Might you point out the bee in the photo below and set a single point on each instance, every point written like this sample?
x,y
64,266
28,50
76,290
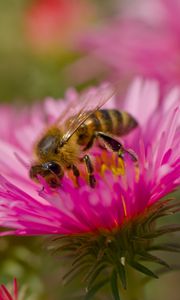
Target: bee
x,y
65,144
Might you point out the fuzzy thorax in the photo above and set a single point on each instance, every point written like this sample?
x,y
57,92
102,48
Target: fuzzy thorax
x,y
69,154
48,148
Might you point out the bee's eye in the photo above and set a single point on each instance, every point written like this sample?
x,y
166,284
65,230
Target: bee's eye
x,y
54,167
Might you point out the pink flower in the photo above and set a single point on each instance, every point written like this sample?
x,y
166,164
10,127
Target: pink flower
x,y
143,41
113,225
5,294
53,25
27,209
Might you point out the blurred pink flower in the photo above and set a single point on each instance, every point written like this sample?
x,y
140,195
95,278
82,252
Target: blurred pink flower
x,y
144,40
28,210
54,25
6,295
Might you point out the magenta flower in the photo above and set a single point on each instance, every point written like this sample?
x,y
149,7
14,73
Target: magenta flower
x,y
124,203
6,295
144,41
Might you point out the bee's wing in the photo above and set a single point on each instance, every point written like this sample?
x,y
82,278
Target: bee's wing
x,y
88,105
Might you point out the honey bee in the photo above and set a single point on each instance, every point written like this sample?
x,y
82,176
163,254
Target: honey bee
x,y
65,145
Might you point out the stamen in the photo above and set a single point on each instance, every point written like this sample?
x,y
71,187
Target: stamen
x,y
116,223
137,172
124,205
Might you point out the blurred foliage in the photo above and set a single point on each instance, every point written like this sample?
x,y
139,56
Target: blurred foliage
x,y
40,271
25,75
20,258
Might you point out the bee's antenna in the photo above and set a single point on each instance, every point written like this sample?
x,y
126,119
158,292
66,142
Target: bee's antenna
x,y
21,160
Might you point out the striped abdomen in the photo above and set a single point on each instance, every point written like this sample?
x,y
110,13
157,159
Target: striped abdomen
x,y
109,121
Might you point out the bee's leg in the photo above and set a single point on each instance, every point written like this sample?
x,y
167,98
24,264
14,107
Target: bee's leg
x,y
90,170
90,143
75,172
115,145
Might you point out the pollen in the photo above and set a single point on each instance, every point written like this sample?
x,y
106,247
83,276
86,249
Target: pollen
x,y
106,161
111,162
104,168
119,168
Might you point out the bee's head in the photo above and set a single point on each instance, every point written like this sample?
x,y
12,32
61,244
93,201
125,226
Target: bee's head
x,y
51,171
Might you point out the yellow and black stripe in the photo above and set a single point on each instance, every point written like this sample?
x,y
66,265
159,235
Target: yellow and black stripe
x,y
109,121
